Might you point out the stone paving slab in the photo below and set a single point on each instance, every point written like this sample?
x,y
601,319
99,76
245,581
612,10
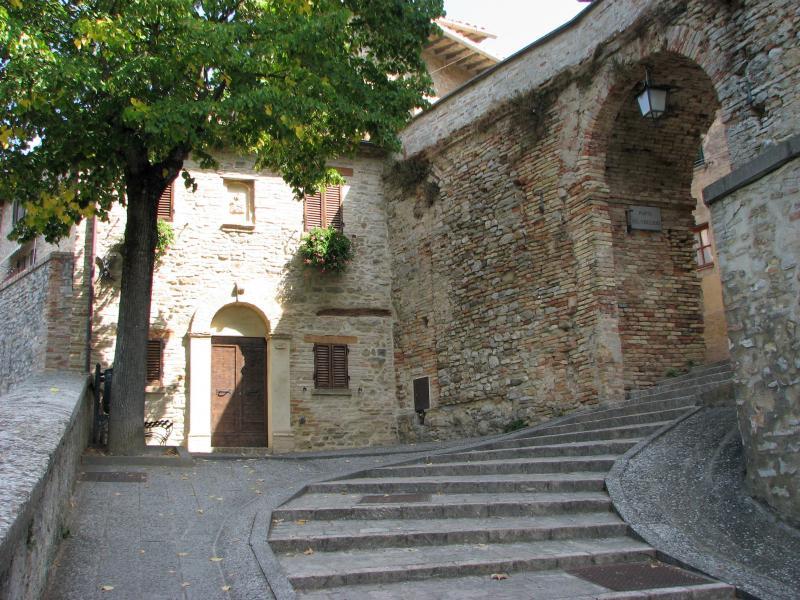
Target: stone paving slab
x,y
147,539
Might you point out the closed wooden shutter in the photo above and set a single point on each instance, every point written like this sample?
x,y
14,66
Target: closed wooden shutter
x,y
165,204
313,211
322,365
339,366
155,363
333,207
330,366
324,208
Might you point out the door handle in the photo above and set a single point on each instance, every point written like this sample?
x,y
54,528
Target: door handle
x,y
223,392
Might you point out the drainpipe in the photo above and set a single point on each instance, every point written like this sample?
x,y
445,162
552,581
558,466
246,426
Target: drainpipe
x,y
91,226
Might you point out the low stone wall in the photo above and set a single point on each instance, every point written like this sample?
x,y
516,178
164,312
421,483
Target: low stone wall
x,y
36,305
44,427
756,213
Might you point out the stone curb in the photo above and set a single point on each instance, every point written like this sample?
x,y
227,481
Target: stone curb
x,y
183,459
622,506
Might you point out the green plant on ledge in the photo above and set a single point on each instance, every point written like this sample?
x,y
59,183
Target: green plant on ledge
x,y
325,249
166,237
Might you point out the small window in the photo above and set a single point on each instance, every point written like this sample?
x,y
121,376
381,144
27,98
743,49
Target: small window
x,y
330,366
702,247
18,211
155,362
700,159
165,203
324,209
22,260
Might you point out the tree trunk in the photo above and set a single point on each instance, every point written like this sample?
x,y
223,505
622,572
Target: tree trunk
x,y
126,420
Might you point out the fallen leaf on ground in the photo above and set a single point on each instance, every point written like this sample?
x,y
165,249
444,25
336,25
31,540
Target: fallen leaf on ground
x,y
308,552
215,559
301,521
55,389
183,554
106,588
225,588
185,584
499,576
200,511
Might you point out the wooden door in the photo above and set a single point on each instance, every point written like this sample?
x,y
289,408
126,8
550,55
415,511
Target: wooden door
x,y
238,391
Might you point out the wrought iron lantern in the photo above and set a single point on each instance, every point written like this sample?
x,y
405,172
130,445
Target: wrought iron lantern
x,y
652,99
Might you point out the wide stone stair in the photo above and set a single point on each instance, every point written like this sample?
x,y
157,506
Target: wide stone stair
x,y
521,517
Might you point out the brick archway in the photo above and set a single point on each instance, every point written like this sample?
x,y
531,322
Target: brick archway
x,y
655,307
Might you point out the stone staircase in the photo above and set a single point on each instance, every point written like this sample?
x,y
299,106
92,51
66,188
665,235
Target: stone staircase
x,y
521,517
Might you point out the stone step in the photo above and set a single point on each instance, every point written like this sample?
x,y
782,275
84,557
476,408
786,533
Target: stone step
x,y
591,448
326,570
652,394
538,585
630,407
682,386
526,482
329,536
558,464
324,507
640,418
542,438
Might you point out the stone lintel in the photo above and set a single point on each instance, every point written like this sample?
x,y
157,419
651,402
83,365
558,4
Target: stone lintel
x,y
354,312
330,339
765,163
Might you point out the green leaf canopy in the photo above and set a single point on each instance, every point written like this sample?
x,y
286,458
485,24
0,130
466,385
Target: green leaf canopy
x,y
96,93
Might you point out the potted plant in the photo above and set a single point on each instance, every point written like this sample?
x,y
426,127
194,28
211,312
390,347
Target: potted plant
x,y
325,249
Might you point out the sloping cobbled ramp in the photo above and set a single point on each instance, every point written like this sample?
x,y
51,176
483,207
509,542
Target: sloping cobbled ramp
x,y
526,517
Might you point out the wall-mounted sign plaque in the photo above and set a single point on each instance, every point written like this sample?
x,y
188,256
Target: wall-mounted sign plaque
x,y
646,218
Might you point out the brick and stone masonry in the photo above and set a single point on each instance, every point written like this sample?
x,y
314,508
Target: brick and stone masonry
x,y
756,213
218,261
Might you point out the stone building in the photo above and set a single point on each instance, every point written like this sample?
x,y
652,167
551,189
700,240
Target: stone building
x,y
531,251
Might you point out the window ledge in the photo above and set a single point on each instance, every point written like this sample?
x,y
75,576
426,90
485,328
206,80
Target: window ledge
x,y
331,392
238,228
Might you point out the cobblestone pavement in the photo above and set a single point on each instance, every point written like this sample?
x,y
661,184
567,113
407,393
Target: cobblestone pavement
x,y
185,533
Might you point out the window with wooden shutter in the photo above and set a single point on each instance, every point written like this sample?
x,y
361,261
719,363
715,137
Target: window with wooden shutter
x,y
155,362
324,208
312,208
165,208
330,366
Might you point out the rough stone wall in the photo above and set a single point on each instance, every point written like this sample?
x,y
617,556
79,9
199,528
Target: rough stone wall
x,y
36,306
485,285
46,424
209,259
758,237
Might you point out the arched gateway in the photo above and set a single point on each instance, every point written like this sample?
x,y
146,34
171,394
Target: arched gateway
x,y
238,379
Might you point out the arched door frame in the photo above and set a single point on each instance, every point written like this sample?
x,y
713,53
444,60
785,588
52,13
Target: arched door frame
x,y
279,432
